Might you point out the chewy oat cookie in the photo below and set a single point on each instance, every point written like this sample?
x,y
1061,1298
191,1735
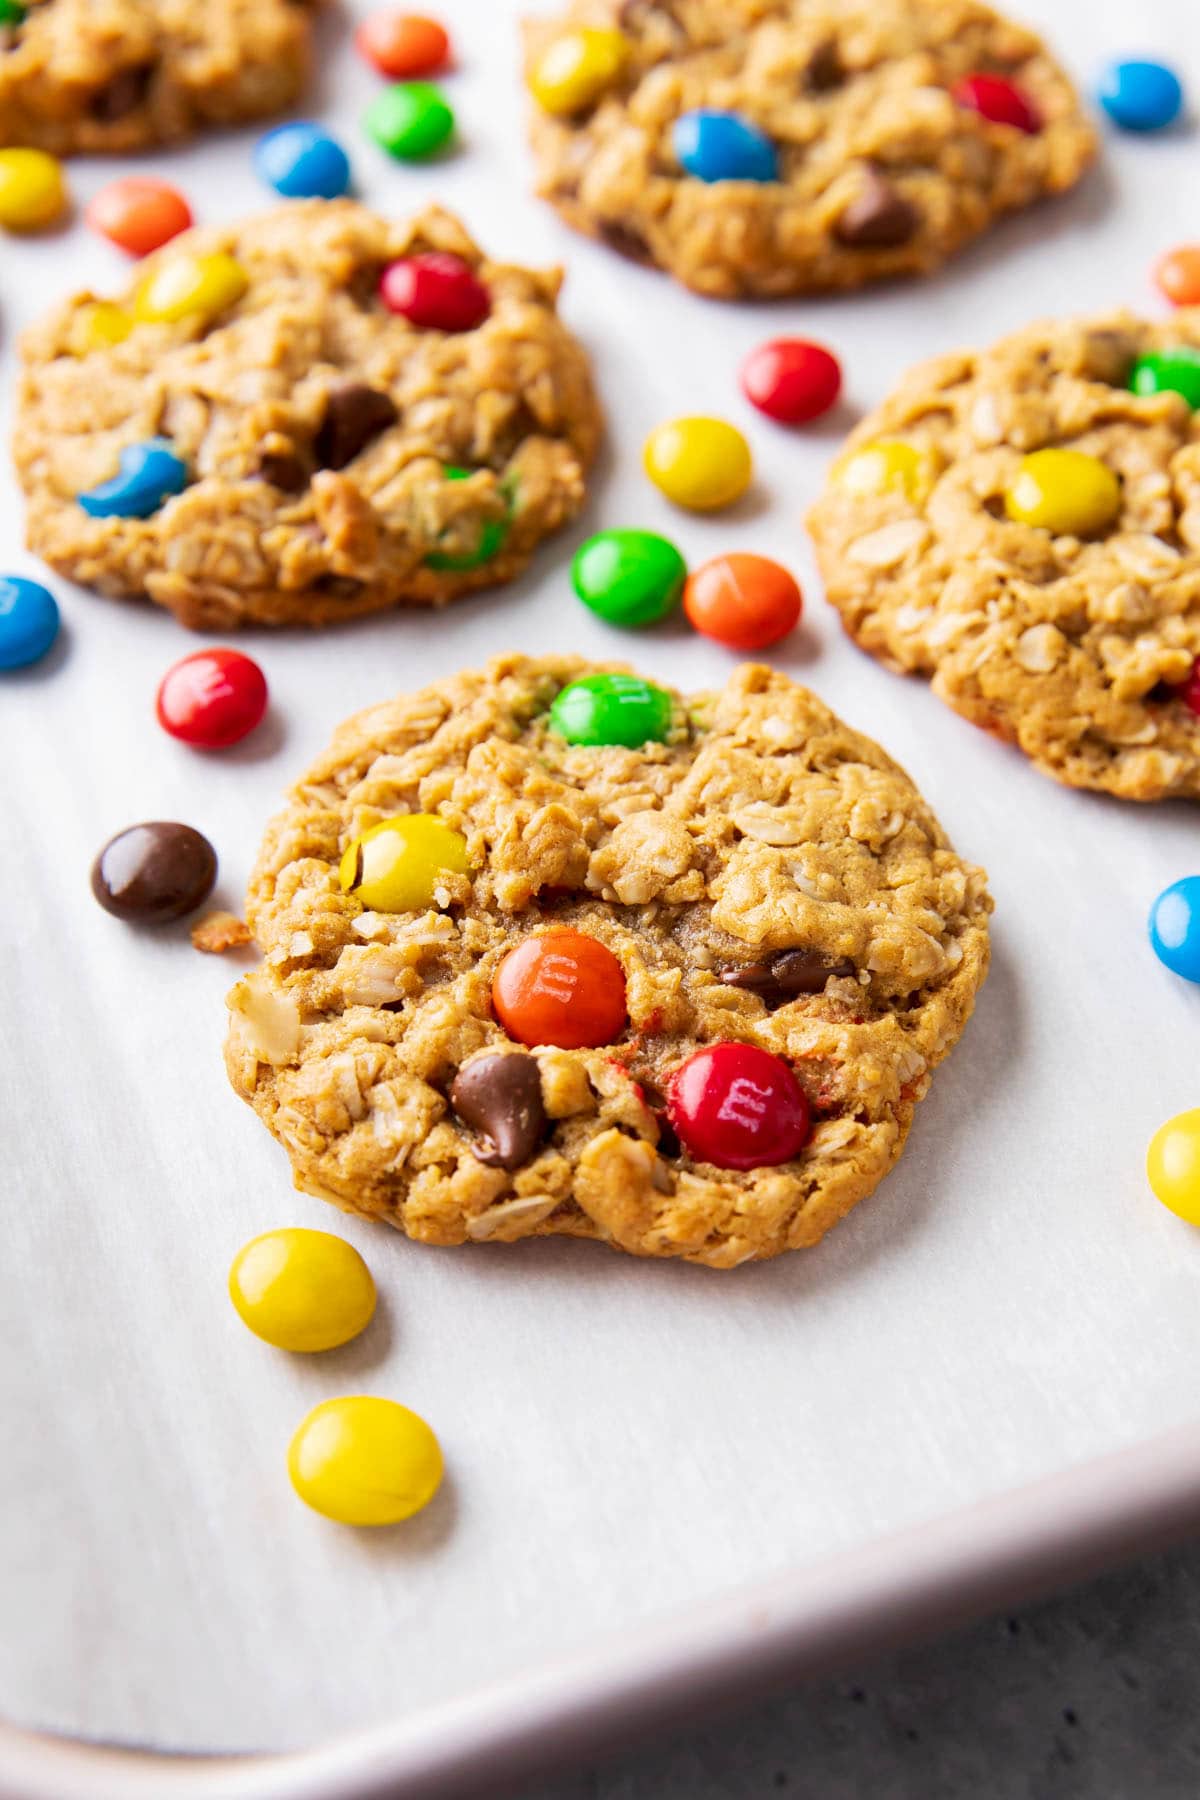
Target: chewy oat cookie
x,y
883,162
1022,525
339,459
117,75
490,951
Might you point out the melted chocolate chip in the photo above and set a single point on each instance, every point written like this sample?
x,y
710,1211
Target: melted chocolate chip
x,y
283,470
880,218
155,872
824,71
354,414
625,241
122,95
501,1097
787,974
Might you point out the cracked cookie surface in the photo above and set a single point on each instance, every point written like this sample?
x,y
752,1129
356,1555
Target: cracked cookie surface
x,y
881,171
118,75
340,460
764,876
1077,649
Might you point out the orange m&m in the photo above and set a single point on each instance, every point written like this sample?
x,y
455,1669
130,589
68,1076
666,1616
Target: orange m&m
x,y
742,600
138,214
1178,275
402,45
562,988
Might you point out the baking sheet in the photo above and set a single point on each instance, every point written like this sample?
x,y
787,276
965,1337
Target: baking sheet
x,y
621,1437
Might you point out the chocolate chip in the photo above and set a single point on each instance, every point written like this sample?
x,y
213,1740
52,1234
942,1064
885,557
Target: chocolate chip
x,y
283,470
668,1137
339,587
501,1097
788,973
354,414
625,241
155,872
122,95
879,219
824,71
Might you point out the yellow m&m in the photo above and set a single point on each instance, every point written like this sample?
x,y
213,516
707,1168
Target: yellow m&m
x,y
302,1290
1173,1165
1067,492
573,71
98,326
699,463
33,193
364,1461
888,466
395,867
191,284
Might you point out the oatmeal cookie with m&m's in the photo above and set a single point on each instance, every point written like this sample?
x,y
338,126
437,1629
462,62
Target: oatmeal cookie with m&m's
x,y
1022,525
765,147
548,948
315,414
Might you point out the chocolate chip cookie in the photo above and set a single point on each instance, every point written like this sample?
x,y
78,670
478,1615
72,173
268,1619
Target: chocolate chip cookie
x,y
254,433
548,948
1022,525
116,75
764,147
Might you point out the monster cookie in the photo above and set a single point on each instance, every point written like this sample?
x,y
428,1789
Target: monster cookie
x,y
548,948
312,415
766,147
114,75
1023,525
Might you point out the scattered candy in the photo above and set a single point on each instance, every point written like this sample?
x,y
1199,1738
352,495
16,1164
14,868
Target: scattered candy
x,y
501,1097
28,621
1175,927
888,466
599,710
363,1461
33,191
491,536
629,577
212,698
743,601
1189,690
739,1107
395,866
791,380
1173,1165
186,284
402,44
149,474
1174,371
563,988
410,121
1178,275
138,214
701,464
153,873
435,290
302,1290
1066,492
1141,96
998,101
302,162
575,69
722,146
98,326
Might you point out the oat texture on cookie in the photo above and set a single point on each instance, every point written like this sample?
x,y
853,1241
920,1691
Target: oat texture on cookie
x,y
874,154
750,907
1022,525
116,75
337,457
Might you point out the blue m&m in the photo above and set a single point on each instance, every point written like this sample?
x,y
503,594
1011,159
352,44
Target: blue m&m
x,y
1175,927
147,475
28,621
1141,96
302,162
722,146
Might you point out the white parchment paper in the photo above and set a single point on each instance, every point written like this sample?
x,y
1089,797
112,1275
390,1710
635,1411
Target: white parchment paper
x,y
620,1436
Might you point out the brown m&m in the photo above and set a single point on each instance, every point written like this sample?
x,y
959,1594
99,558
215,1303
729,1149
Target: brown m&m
x,y
150,874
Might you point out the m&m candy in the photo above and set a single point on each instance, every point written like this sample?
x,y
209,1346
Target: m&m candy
x,y
576,67
998,101
563,988
397,866
435,290
138,214
1188,690
600,710
722,146
699,463
147,475
739,1107
212,698
1141,96
154,873
302,1290
28,621
184,284
1175,927
1178,275
887,466
364,1461
410,120
402,44
1066,492
302,162
791,380
629,577
1173,1165
33,190
743,601
1175,371
492,533
97,326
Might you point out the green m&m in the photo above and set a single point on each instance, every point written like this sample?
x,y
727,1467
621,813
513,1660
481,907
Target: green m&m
x,y
410,119
11,13
492,534
612,709
1169,371
629,577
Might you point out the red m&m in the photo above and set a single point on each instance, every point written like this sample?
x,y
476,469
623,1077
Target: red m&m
x,y
998,101
563,988
212,698
738,1107
435,290
743,601
791,380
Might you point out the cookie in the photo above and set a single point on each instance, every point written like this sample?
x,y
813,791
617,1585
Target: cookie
x,y
857,121
1022,525
286,448
514,1010
117,75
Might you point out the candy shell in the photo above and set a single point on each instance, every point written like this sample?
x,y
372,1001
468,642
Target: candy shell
x,y
302,1290
1175,927
212,698
138,214
28,621
410,120
33,190
629,577
699,463
722,146
148,474
302,162
364,1461
401,45
1141,95
791,380
742,601
1173,1165
601,710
